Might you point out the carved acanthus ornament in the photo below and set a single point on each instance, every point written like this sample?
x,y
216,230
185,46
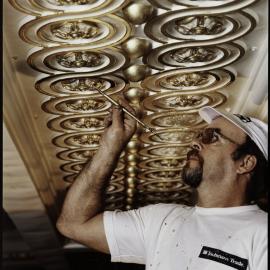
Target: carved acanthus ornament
x,y
186,80
75,30
87,122
70,2
85,105
84,84
91,139
193,55
201,25
79,59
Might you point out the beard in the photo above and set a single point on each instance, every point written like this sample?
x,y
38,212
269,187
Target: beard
x,y
193,176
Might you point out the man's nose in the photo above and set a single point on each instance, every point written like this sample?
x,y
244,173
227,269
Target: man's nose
x,y
195,144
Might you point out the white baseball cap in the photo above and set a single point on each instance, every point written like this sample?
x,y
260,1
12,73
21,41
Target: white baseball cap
x,y
253,127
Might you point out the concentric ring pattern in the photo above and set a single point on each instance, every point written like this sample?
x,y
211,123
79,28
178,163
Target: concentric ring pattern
x,y
169,58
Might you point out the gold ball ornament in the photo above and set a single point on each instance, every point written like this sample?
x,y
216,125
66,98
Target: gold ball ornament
x,y
138,13
136,47
136,73
134,94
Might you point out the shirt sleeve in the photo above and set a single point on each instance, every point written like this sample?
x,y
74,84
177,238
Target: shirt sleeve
x,y
125,233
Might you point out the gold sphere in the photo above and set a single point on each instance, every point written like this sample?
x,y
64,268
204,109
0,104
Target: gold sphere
x,y
134,94
132,158
136,47
130,192
138,13
131,181
136,73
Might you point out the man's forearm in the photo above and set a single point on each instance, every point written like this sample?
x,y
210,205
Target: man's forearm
x,y
85,197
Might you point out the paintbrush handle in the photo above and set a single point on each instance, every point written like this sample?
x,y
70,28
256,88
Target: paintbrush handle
x,y
126,111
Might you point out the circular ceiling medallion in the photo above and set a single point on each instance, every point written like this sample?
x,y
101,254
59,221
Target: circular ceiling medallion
x,y
187,81
164,174
190,55
76,167
47,7
80,31
200,25
66,59
160,186
171,4
163,163
82,153
85,122
80,84
176,119
164,150
180,102
76,105
176,135
78,139
79,154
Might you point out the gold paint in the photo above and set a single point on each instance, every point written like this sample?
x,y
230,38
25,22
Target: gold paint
x,y
136,72
70,2
75,30
134,94
85,105
79,59
186,80
136,47
201,25
91,139
193,55
138,13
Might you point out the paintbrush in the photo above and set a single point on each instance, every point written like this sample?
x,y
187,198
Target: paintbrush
x,y
114,102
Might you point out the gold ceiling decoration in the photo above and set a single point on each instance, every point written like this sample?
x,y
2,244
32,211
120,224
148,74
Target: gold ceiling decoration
x,y
45,7
98,62
188,82
65,30
169,58
167,4
188,25
80,84
84,122
187,55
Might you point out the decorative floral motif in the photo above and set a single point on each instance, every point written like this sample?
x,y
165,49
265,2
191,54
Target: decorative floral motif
x,y
178,120
183,101
83,84
177,136
169,151
87,122
79,59
193,55
84,154
166,163
85,105
70,2
87,139
200,25
75,30
186,80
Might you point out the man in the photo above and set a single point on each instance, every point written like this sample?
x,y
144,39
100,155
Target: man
x,y
225,230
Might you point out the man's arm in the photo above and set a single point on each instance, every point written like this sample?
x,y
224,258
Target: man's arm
x,y
81,218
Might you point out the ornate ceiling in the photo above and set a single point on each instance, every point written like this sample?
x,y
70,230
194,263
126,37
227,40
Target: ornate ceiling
x,y
168,57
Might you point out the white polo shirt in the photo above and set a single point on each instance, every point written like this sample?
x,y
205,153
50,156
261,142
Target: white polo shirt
x,y
177,237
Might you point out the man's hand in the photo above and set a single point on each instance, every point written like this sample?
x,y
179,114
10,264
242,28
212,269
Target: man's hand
x,y
119,128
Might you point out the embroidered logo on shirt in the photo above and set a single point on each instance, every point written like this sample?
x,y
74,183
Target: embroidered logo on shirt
x,y
224,258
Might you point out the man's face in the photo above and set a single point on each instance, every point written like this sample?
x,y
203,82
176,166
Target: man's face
x,y
211,153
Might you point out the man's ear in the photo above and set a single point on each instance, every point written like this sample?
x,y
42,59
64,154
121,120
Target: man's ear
x,y
246,164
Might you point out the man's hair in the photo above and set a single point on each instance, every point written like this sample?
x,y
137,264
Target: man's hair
x,y
257,190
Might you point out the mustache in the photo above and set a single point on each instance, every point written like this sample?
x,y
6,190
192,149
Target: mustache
x,y
194,153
